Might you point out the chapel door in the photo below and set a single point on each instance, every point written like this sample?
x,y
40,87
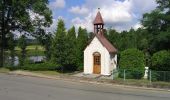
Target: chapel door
x,y
96,63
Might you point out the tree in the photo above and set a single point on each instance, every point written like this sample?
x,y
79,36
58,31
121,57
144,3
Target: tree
x,y
46,42
157,24
114,38
11,43
59,53
16,15
81,44
71,49
22,44
133,61
161,61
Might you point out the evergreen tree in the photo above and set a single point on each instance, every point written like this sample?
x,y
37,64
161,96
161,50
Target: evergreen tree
x,y
59,52
81,44
71,49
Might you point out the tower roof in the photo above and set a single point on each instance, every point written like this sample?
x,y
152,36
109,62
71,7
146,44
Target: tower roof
x,y
98,19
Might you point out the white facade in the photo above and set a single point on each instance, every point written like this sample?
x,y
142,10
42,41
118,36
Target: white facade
x,y
108,61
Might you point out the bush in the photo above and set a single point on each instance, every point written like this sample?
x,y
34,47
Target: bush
x,y
39,67
131,74
160,76
47,66
161,61
133,61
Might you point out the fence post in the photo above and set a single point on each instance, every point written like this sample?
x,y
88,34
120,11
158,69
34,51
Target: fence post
x,y
124,75
164,76
150,76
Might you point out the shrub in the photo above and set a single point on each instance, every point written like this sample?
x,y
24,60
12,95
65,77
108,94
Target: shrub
x,y
131,74
133,61
39,66
161,61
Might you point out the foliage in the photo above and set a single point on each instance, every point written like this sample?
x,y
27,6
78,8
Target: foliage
x,y
22,44
81,43
62,48
11,43
132,59
131,73
46,41
71,49
46,66
16,15
161,61
157,23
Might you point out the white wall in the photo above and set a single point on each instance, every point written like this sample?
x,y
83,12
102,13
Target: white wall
x,y
96,46
113,62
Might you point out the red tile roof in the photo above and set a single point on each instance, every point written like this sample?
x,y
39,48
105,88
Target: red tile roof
x,y
98,19
106,43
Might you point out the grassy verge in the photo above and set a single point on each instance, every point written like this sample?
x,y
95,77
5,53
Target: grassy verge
x,y
143,83
47,72
4,70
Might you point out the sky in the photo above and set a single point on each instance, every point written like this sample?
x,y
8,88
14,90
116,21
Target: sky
x,y
117,14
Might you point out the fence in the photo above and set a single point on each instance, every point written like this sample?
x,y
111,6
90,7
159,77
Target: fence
x,y
159,76
151,75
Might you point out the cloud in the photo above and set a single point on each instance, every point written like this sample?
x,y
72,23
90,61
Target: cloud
x,y
84,23
137,25
120,15
57,4
79,10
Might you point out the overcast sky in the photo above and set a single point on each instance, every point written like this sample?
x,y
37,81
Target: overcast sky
x,y
117,14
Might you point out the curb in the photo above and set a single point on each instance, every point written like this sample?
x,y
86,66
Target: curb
x,y
81,80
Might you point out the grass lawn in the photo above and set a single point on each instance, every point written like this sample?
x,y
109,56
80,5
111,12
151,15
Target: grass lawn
x,y
31,47
32,50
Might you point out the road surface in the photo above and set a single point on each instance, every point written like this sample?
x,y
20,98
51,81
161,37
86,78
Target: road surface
x,y
16,87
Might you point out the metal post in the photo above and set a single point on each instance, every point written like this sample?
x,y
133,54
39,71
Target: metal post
x,y
150,76
124,74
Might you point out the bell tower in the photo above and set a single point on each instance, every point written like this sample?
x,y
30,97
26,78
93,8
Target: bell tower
x,y
98,22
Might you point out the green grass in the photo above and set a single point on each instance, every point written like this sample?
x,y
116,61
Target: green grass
x,y
143,82
4,70
47,72
32,50
31,47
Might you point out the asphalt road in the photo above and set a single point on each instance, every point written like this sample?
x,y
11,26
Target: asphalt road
x,y
16,87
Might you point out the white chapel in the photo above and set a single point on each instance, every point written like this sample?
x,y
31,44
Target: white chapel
x,y
100,56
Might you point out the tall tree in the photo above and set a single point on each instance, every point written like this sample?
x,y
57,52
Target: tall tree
x,y
81,44
157,23
19,15
71,49
59,54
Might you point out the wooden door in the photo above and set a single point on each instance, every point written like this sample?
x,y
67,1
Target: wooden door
x,y
96,63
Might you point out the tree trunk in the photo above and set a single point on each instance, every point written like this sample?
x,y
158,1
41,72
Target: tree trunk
x,y
3,36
